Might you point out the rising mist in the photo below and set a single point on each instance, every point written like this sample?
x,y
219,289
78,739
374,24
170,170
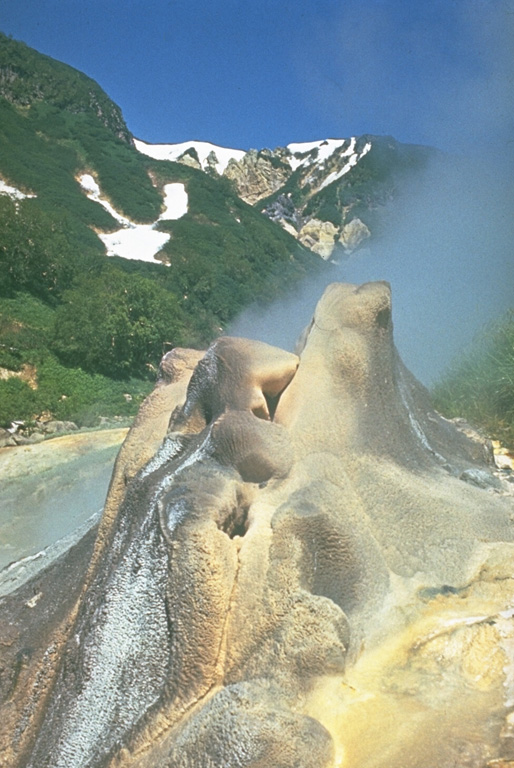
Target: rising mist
x,y
447,245
446,249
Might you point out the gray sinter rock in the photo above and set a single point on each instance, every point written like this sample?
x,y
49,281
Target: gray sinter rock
x,y
295,554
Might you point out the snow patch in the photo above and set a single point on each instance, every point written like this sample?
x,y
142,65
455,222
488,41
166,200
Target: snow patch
x,y
295,163
309,146
140,242
175,202
326,148
13,192
203,150
351,147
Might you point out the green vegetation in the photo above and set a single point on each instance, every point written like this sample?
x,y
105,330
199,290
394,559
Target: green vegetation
x,y
479,386
29,77
40,251
70,394
116,324
43,150
224,254
56,123
26,328
27,331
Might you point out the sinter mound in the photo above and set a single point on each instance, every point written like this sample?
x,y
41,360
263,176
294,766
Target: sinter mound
x,y
300,565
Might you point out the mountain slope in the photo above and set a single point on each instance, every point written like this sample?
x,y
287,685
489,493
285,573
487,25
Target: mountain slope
x,y
77,201
331,195
28,77
49,142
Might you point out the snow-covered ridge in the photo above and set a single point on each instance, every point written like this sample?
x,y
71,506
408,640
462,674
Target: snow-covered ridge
x,y
213,156
264,175
353,159
325,147
137,241
203,149
302,154
298,154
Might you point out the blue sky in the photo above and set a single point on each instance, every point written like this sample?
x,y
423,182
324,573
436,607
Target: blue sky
x,y
252,74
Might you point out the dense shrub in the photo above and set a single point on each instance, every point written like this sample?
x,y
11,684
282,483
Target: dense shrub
x,y
44,149
30,77
27,328
17,401
69,394
116,324
37,253
46,167
73,394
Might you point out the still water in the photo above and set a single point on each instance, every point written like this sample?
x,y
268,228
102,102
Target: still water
x,y
50,490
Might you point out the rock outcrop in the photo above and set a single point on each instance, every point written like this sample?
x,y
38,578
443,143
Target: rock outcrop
x,y
296,568
353,235
319,236
257,174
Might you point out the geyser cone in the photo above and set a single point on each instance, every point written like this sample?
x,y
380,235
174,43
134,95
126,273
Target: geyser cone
x,y
311,557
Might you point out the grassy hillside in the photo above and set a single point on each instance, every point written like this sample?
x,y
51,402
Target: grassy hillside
x,y
479,386
66,309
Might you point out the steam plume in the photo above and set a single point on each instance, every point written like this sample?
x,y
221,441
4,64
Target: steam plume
x,y
447,247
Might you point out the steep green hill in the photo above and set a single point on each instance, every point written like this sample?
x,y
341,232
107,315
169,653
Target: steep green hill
x,y
28,77
110,316
367,189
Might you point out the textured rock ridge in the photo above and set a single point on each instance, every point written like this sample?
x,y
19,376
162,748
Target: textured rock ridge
x,y
296,568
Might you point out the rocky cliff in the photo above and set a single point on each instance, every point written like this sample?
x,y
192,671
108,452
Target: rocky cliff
x,y
258,174
300,565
